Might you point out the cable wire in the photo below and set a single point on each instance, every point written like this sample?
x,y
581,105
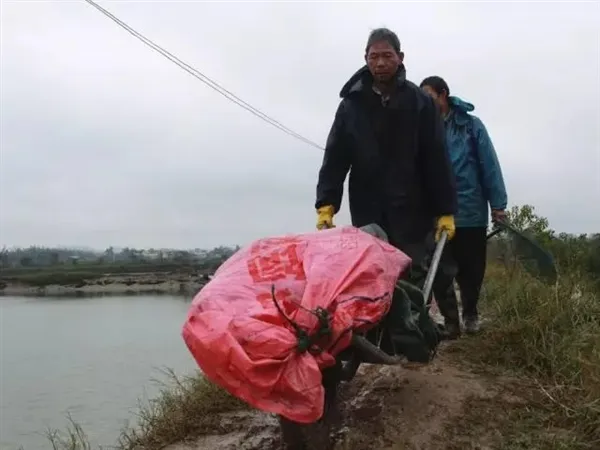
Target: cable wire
x,y
203,78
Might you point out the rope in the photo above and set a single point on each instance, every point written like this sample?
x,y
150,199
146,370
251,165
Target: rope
x,y
306,341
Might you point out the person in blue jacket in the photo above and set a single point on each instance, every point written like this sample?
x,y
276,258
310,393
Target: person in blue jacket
x,y
479,183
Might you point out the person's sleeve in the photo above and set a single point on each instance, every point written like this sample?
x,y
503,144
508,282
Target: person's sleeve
x,y
492,179
436,167
336,164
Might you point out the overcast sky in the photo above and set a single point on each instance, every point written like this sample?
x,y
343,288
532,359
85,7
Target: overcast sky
x,y
105,142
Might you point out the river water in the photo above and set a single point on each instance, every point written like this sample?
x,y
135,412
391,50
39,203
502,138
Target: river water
x,y
92,358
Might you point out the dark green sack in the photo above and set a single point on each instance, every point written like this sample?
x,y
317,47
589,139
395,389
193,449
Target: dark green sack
x,y
414,333
408,329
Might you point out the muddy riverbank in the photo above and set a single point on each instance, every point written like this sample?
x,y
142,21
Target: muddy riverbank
x,y
113,284
440,406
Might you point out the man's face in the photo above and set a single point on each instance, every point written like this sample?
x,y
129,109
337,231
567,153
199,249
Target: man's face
x,y
383,61
439,99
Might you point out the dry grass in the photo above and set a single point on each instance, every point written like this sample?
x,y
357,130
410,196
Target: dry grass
x,y
550,334
74,438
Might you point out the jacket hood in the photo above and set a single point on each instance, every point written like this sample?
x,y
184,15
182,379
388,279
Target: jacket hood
x,y
362,77
458,104
461,109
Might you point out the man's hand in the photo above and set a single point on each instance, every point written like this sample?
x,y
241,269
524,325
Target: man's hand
x,y
325,217
445,223
498,215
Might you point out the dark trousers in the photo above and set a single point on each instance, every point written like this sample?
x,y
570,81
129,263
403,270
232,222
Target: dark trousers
x,y
414,237
464,259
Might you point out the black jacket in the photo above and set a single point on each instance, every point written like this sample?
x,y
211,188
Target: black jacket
x,y
400,173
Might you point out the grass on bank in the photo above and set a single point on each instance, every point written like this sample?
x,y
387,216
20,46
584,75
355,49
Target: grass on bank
x,y
548,336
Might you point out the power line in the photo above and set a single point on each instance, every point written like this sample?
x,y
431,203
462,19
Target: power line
x,y
203,78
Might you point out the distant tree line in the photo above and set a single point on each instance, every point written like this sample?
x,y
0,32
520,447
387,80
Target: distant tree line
x,y
573,253
40,257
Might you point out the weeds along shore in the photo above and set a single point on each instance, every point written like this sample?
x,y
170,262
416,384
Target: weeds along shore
x,y
548,336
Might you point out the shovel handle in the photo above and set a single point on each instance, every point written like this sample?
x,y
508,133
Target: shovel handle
x,y
433,268
435,262
494,233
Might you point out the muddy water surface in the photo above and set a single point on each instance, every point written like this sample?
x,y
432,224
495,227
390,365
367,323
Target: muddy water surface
x,y
90,357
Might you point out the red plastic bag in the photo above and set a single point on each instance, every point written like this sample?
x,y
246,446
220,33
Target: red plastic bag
x,y
242,337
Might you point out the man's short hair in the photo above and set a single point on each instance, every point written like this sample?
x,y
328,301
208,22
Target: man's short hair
x,y
383,34
438,84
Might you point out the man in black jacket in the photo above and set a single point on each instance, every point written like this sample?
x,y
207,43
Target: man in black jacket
x,y
389,134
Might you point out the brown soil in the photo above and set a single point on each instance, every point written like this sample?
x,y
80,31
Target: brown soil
x,y
436,407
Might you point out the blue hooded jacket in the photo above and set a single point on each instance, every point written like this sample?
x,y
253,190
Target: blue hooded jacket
x,y
479,180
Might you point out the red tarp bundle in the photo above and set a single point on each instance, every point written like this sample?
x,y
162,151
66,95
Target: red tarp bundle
x,y
244,343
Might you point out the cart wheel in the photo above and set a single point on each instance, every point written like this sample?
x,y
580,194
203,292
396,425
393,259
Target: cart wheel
x,y
314,436
292,435
317,435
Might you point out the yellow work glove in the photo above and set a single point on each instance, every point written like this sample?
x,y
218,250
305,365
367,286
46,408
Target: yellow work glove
x,y
445,223
325,217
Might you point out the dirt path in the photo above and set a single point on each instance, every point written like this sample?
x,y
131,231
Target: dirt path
x,y
437,407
